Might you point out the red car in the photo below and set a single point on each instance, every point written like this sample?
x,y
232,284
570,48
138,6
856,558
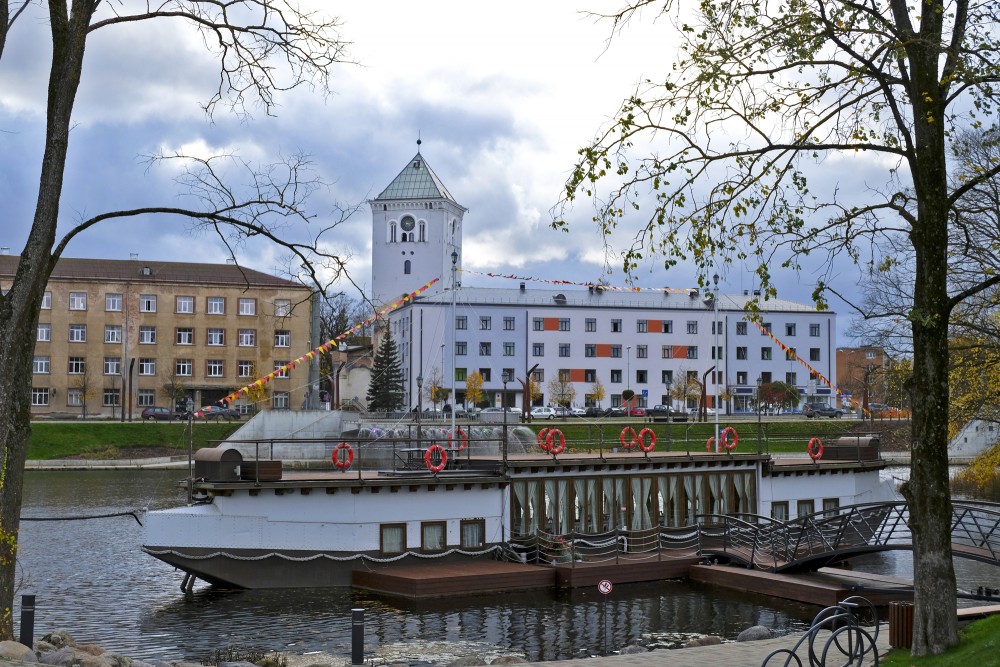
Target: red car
x,y
637,412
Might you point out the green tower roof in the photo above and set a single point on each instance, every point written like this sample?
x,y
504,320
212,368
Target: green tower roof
x,y
416,181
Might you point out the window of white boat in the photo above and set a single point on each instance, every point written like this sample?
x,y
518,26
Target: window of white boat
x,y
432,535
830,504
392,538
779,511
805,508
473,533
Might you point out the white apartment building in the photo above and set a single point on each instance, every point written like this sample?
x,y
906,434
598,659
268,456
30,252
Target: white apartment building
x,y
656,343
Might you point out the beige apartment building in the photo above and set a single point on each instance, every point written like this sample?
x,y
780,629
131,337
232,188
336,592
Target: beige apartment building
x,y
118,336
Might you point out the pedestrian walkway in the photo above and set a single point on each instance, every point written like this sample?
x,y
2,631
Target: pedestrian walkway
x,y
735,654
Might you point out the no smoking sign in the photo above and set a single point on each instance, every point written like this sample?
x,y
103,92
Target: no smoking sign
x,y
604,586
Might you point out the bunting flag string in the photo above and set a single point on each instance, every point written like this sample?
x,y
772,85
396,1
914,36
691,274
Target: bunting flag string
x,y
325,347
790,352
600,286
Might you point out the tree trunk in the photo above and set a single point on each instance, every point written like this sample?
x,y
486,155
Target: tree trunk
x,y
19,309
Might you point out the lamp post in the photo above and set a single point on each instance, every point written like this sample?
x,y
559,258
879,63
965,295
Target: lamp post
x,y
420,404
505,377
454,288
759,451
670,410
718,361
628,377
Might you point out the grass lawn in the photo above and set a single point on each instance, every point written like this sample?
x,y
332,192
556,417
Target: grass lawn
x,y
776,436
980,646
110,440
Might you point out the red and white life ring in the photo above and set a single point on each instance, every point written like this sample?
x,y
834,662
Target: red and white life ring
x,y
541,439
341,463
815,449
551,446
631,440
429,456
642,440
730,446
463,438
710,444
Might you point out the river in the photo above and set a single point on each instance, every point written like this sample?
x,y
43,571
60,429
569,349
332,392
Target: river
x,y
91,578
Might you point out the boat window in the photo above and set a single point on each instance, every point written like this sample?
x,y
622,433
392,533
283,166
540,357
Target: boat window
x,y
393,538
432,535
473,533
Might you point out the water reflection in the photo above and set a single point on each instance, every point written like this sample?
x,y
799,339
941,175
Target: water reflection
x,y
92,579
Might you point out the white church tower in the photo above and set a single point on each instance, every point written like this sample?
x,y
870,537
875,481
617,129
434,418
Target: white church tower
x,y
416,225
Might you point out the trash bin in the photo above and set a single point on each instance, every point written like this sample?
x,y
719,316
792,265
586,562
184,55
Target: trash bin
x,y
900,624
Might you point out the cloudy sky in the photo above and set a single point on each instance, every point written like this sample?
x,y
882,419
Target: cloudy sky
x,y
501,96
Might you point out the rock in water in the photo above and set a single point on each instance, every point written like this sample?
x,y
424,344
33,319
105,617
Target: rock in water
x,y
754,633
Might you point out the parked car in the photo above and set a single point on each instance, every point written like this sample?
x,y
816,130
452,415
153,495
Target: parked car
x,y
593,412
821,410
543,413
637,412
162,414
563,413
708,411
216,412
578,412
662,412
614,412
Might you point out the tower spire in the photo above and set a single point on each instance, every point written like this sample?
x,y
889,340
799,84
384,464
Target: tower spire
x,y
418,142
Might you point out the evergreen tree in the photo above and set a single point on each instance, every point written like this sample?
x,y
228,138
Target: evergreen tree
x,y
385,393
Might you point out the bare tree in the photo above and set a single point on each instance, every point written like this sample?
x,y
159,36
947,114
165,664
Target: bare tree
x,y
765,95
263,47
561,389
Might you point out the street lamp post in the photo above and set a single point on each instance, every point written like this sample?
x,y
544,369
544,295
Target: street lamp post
x,y
628,374
670,410
454,289
759,450
718,361
420,403
503,404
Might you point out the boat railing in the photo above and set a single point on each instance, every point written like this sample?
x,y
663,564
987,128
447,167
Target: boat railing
x,y
621,544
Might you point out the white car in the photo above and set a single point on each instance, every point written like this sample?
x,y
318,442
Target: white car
x,y
543,413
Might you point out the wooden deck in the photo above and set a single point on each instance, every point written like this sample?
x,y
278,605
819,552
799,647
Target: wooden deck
x,y
448,579
824,588
625,570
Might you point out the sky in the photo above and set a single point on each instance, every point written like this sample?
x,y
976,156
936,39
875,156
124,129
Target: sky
x,y
501,98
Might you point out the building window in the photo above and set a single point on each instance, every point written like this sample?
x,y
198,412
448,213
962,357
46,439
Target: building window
x,y
805,508
741,328
147,335
538,324
508,349
779,511
616,351
43,333
791,378
282,338
485,323
508,323
641,326
590,325
472,533
244,368
214,368
147,366
789,329
692,326
432,535
216,305
831,504
113,303
616,376
247,337
47,301
282,307
185,305
248,307
74,397
765,377
147,303
590,350
616,326
641,352
869,354
112,333
461,348
461,322
563,349
78,301
486,373
667,377
766,329
741,354
112,397
641,377
741,377
185,336
538,376
590,375
717,327
279,369
112,365
460,374
392,538
814,330
563,324
814,354
40,365
146,398
39,396
765,354
485,349
692,352
668,326
216,337
790,354
538,349
667,351
183,367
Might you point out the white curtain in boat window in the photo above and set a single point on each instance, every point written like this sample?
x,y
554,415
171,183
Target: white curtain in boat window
x,y
689,500
595,503
532,506
673,497
563,507
519,512
749,504
472,534
549,525
641,487
432,536
579,505
393,539
727,495
712,502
